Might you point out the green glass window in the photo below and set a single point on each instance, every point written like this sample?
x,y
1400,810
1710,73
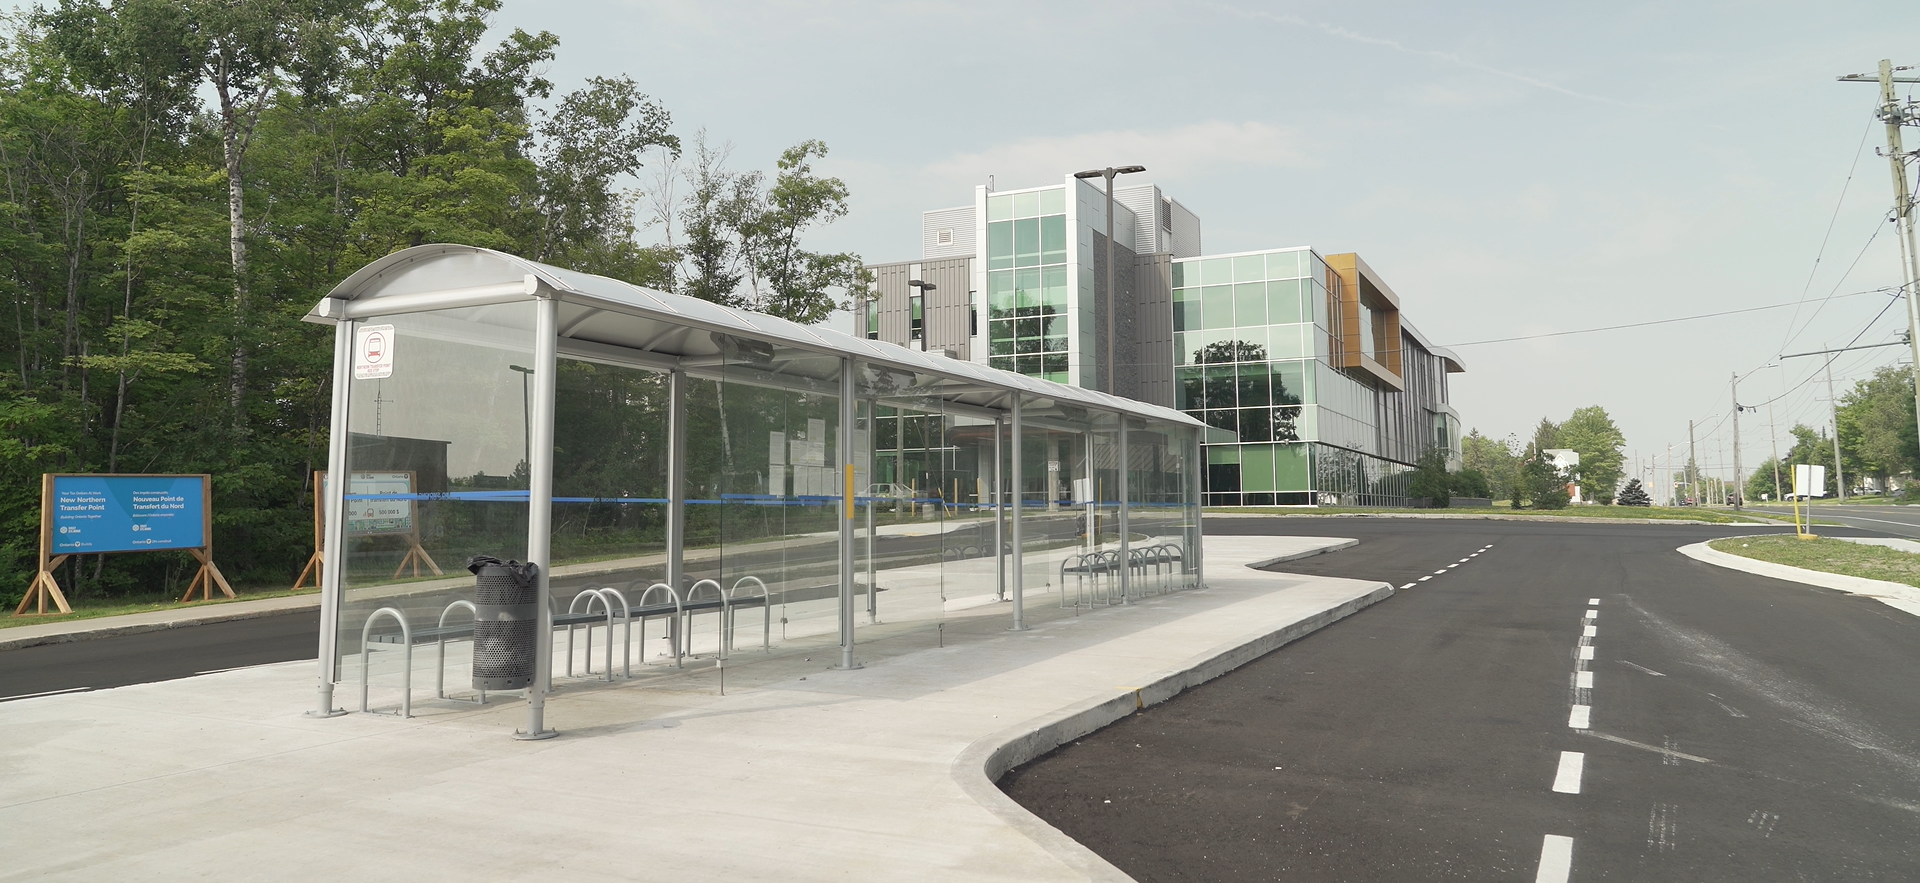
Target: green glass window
x,y
1054,363
1026,242
1292,469
1189,390
1054,325
1053,281
1253,385
999,245
1026,288
999,208
1256,465
1186,295
1250,303
1027,364
1053,239
1027,327
1056,344
1283,303
1227,420
1180,275
1026,205
1286,342
1053,202
1217,306
1250,345
1000,346
1024,345
1004,363
1221,380
1217,271
1284,265
1317,296
1000,292
1251,268
1180,317
1290,384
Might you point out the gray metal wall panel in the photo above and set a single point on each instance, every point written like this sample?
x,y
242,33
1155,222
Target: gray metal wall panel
x,y
947,314
1146,206
1186,232
1153,328
957,220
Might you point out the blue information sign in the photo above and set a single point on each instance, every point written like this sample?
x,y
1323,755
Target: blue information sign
x,y
128,513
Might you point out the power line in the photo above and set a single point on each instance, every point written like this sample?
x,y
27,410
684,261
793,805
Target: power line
x,y
1655,321
1822,253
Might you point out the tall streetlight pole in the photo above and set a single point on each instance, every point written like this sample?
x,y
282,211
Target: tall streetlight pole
x,y
1107,370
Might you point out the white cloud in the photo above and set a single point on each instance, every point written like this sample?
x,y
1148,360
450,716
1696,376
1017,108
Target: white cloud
x,y
1206,147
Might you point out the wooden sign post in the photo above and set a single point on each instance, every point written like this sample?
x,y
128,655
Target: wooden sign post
x,y
365,518
97,514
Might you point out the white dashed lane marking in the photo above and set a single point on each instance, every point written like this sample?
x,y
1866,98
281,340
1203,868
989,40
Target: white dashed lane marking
x,y
1593,602
1573,765
1583,680
1589,631
1407,586
1556,859
1586,652
1581,717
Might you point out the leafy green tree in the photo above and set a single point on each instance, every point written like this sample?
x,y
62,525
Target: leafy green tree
x,y
1592,434
787,280
1472,483
1430,480
1877,429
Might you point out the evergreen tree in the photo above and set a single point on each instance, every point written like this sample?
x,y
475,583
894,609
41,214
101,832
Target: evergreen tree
x,y
1633,495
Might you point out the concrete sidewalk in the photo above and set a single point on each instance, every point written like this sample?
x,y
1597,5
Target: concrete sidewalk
x,y
799,772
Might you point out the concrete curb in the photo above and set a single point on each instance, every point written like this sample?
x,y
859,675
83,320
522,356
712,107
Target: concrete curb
x,y
981,765
1295,556
114,626
1561,519
1899,596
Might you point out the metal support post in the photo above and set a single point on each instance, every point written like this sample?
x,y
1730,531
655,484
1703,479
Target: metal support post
x,y
1015,495
1693,467
999,513
847,510
1120,517
1199,533
540,510
676,481
1739,489
333,549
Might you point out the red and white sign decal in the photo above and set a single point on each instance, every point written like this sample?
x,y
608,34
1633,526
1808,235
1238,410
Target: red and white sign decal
x,y
373,352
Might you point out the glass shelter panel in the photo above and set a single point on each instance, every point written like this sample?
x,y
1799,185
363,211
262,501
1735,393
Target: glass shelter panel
x,y
437,459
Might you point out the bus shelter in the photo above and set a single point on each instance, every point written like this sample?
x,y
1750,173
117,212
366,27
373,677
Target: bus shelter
x,y
650,450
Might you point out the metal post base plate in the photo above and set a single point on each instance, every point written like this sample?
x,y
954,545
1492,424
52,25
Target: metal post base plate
x,y
524,736
319,715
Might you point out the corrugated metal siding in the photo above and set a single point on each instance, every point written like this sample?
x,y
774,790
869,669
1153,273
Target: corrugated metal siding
x,y
947,319
1186,232
1147,211
890,280
1153,328
958,222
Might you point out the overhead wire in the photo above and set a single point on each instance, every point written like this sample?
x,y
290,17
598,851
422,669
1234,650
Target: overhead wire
x,y
1822,252
1777,306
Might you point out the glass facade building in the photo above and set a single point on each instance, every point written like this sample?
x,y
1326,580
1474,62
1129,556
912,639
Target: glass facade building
x,y
1314,387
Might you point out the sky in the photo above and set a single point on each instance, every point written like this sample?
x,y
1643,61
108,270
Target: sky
x,y
1511,169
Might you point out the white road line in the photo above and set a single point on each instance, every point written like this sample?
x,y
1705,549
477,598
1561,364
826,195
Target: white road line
x,y
1645,747
1572,765
1586,652
1588,631
1583,680
1452,566
1556,860
1474,555
1440,572
1407,586
1463,561
1592,613
1581,717
1593,602
1425,578
47,693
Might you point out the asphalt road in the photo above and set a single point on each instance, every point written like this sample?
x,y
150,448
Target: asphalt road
x,y
1739,728
157,656
1897,521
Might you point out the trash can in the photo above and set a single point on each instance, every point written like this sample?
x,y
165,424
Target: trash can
x,y
506,626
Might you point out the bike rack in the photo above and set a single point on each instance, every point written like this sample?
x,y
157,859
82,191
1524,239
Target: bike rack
x,y
626,634
766,612
590,594
726,607
406,643
673,624
440,664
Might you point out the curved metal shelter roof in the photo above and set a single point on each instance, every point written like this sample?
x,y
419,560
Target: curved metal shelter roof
x,y
607,317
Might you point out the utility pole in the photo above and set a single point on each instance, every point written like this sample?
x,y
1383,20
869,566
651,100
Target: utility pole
x,y
1693,467
1774,438
1668,484
1738,488
1833,406
1896,114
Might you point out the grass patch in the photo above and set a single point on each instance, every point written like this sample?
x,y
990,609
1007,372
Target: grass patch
x,y
1827,556
94,608
1623,513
